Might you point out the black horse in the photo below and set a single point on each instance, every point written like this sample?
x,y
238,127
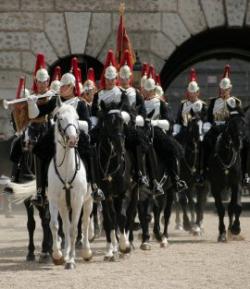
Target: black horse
x,y
115,180
23,163
225,173
192,170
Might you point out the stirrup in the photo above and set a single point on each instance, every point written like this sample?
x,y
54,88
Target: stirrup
x,y
181,186
143,181
157,189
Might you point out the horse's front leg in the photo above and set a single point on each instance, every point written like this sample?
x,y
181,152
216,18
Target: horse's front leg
x,y
54,226
64,212
31,225
87,209
216,192
167,214
234,209
124,245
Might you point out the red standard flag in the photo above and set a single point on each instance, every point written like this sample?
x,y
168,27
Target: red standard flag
x,y
123,42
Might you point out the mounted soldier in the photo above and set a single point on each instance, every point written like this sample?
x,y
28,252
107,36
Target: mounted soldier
x,y
190,107
69,92
135,140
219,110
38,127
165,145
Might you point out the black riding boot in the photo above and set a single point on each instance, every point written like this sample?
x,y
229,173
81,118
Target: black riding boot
x,y
41,180
97,193
15,172
157,187
141,167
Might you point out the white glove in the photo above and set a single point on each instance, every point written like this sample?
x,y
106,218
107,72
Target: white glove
x,y
83,125
161,123
176,129
125,116
94,121
139,121
206,127
33,110
32,98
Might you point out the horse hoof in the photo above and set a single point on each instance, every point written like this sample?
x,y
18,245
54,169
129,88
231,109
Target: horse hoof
x,y
30,257
178,227
164,243
126,250
145,246
87,255
234,237
107,258
222,238
44,258
59,261
70,266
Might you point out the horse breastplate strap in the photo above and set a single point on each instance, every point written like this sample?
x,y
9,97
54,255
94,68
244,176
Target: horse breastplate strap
x,y
220,110
131,95
153,104
109,96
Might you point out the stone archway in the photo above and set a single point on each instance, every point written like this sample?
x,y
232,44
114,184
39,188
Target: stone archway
x,y
219,43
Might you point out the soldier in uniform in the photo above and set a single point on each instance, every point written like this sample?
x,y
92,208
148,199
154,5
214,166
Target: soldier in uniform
x,y
165,145
45,146
218,113
135,141
39,126
192,104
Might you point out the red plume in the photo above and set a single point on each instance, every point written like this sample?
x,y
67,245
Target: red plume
x,y
20,87
145,69
127,60
40,63
110,60
227,71
151,72
158,79
192,75
91,74
57,73
75,71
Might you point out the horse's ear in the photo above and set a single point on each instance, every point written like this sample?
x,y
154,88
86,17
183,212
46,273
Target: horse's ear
x,y
151,113
58,101
103,105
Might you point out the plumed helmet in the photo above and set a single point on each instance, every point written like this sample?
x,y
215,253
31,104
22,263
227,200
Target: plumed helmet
x,y
110,66
126,66
68,79
40,73
149,83
225,82
193,85
89,84
55,85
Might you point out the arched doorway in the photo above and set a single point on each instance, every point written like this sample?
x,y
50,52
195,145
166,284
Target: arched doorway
x,y
85,62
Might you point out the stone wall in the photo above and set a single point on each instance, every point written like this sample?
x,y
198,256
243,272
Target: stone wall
x,y
62,27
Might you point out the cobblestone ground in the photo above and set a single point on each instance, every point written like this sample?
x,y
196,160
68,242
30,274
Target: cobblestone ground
x,y
188,262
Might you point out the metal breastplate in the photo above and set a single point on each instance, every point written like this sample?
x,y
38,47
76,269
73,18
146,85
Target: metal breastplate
x,y
153,104
220,110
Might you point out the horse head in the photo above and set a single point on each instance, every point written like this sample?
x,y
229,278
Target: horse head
x,y
67,124
112,125
234,129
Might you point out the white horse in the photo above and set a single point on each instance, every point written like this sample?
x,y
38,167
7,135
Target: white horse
x,y
68,189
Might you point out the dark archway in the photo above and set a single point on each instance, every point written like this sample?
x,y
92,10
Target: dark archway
x,y
219,43
85,62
